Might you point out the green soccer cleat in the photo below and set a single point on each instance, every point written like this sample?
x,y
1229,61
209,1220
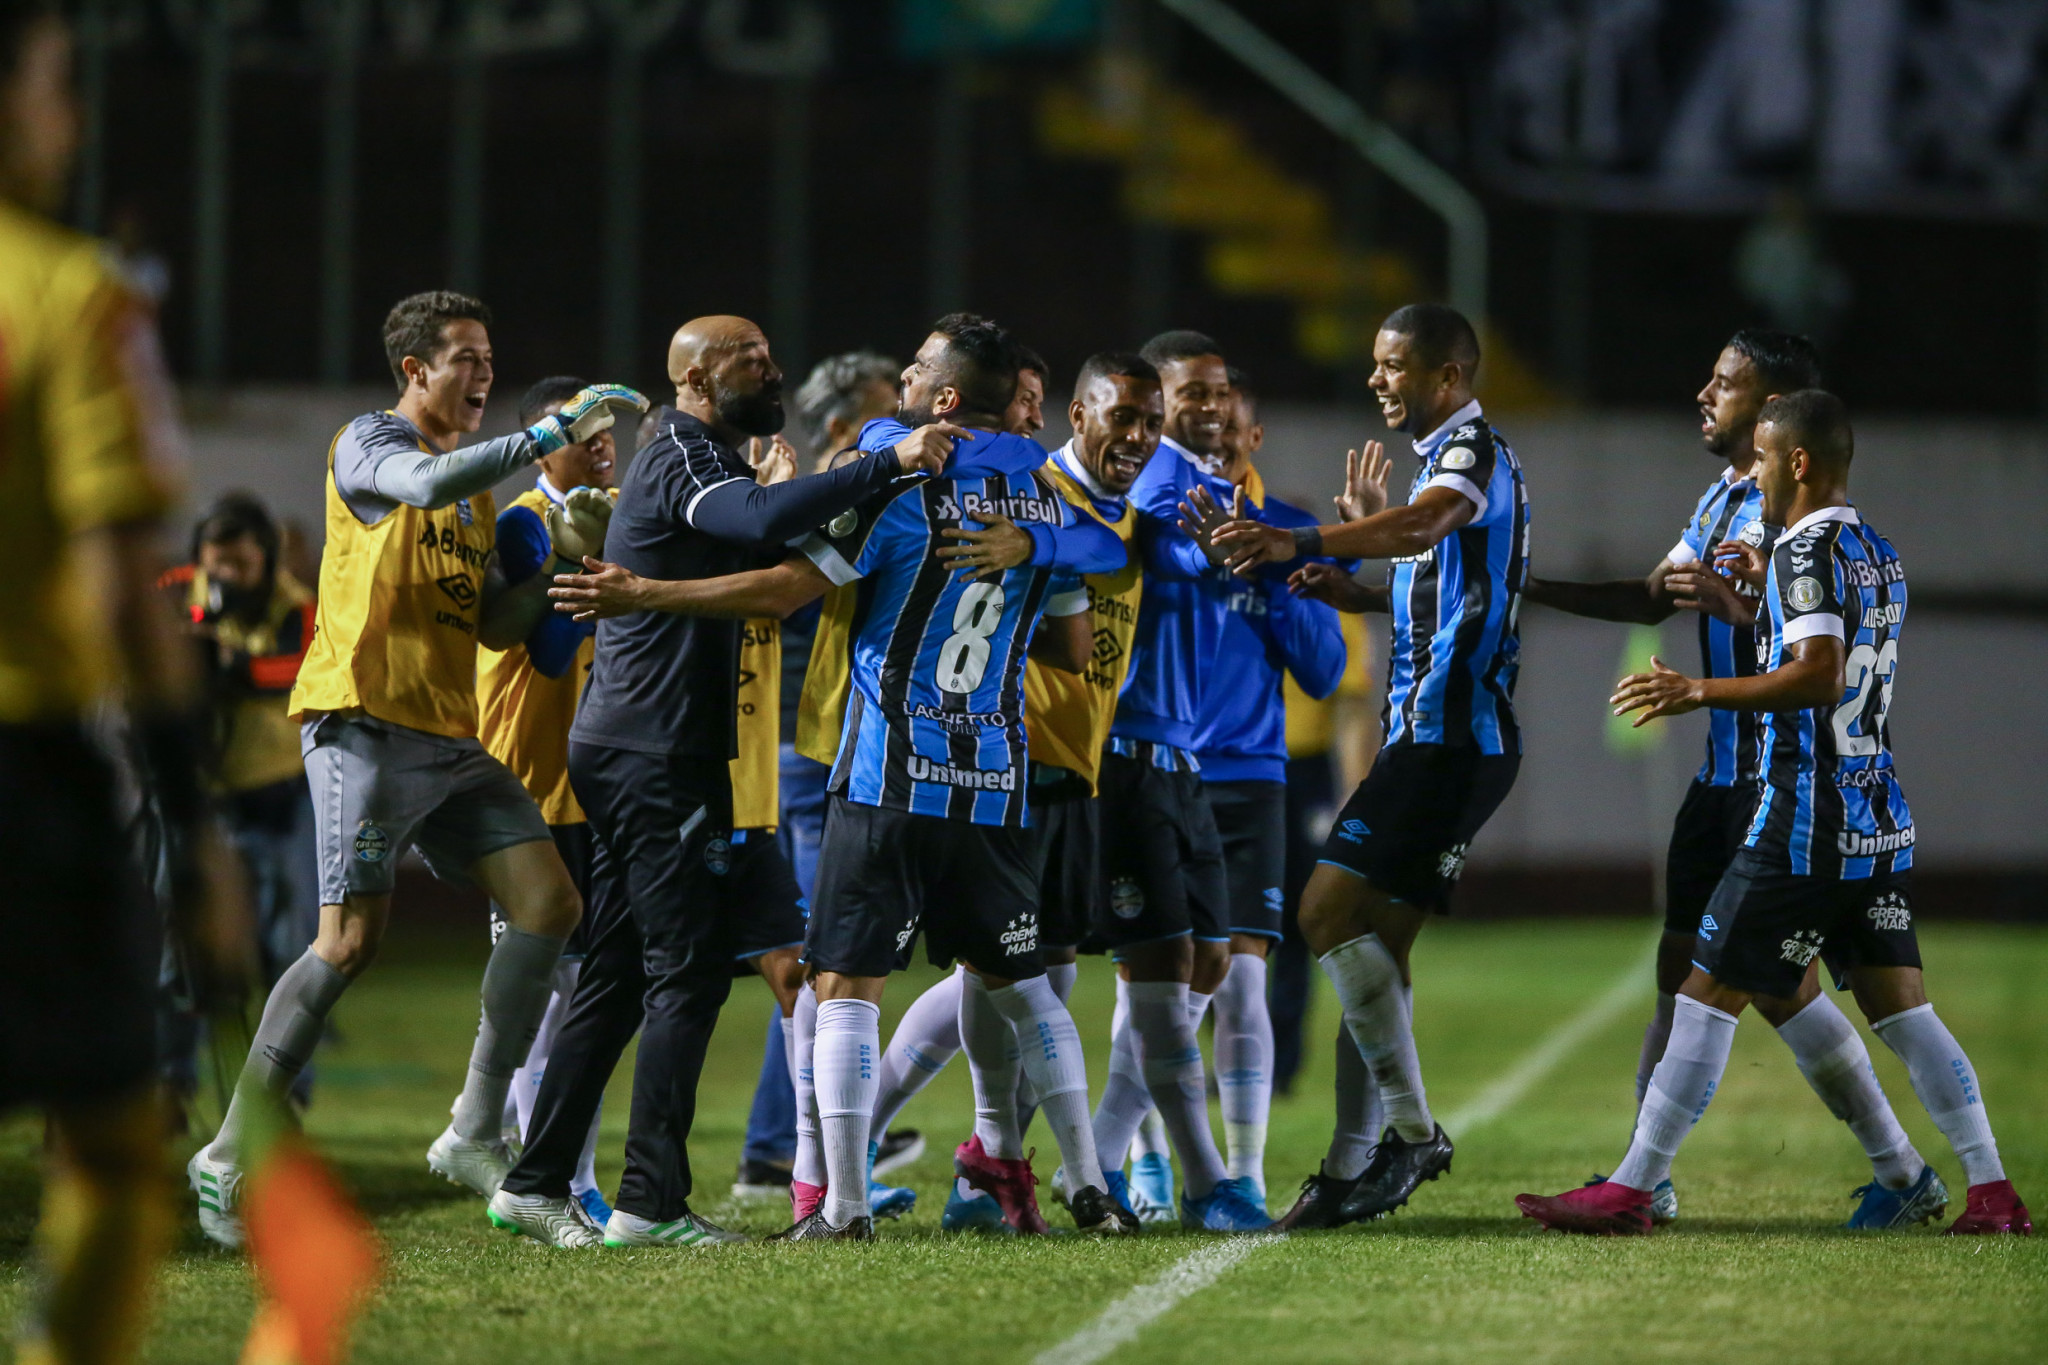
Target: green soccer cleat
x,y
690,1230
552,1222
219,1187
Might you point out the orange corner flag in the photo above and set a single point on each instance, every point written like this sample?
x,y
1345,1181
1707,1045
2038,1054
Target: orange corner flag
x,y
315,1257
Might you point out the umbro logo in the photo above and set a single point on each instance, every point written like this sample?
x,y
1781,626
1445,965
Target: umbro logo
x,y
1708,926
461,591
1108,649
1353,831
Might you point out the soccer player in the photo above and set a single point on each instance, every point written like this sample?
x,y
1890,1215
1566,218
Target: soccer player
x,y
86,432
1459,548
648,759
1824,870
526,701
1241,744
410,586
927,831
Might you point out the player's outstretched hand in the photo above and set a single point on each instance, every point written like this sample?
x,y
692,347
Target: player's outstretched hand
x,y
604,590
1743,561
987,553
924,451
1698,588
1663,691
587,412
1201,517
774,460
577,524
1321,582
1365,482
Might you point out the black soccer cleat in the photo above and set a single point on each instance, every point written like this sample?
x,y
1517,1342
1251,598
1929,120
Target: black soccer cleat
x,y
1319,1205
897,1149
815,1229
1396,1171
761,1180
1095,1211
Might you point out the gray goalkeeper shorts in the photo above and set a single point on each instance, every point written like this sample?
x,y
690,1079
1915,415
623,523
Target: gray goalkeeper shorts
x,y
378,788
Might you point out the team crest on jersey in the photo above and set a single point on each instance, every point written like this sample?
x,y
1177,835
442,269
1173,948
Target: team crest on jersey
x,y
1752,534
1804,594
842,525
1452,863
1020,935
718,855
1891,913
1801,947
461,591
373,845
1126,898
1458,457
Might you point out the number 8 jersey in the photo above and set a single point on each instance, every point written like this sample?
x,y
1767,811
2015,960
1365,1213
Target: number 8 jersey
x,y
1831,804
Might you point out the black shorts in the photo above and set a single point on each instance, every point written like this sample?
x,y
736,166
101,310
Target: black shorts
x,y
886,875
1405,830
1710,827
1066,832
1162,859
1251,820
1764,926
78,982
768,908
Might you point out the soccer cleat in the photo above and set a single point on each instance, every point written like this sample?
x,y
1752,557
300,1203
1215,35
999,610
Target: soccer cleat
x,y
969,1210
1095,1211
690,1230
1923,1200
1319,1205
1233,1206
219,1187
1992,1207
1397,1169
1663,1201
553,1222
480,1164
1058,1185
1152,1188
1008,1179
761,1180
816,1229
887,1201
897,1149
594,1204
804,1199
1606,1208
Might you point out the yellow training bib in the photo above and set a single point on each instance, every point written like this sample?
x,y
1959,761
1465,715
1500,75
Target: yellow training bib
x,y
756,790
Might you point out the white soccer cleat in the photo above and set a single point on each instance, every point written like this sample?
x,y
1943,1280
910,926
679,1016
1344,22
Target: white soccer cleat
x,y
219,1187
478,1163
555,1222
690,1230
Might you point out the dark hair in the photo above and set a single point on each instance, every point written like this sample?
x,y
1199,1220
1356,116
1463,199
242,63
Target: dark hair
x,y
545,393
1784,361
413,326
1817,422
1241,387
1168,347
1114,364
833,390
18,19
1441,334
232,516
1028,359
980,361
955,323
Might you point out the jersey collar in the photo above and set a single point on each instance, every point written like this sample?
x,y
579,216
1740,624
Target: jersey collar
x,y
550,492
1846,515
1210,465
1426,446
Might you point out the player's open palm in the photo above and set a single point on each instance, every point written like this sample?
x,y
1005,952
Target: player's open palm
x,y
1663,691
774,460
988,553
587,412
603,590
1365,482
577,524
1699,588
1201,517
1744,562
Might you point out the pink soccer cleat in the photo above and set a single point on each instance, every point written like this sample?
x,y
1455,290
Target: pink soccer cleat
x,y
1606,1209
1992,1208
1009,1183
804,1200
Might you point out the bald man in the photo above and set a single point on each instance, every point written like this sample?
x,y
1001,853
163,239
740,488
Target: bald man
x,y
647,760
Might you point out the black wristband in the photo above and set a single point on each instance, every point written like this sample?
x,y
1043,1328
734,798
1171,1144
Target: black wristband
x,y
1308,541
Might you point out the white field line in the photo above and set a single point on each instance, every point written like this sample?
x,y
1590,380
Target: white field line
x,y
1121,1322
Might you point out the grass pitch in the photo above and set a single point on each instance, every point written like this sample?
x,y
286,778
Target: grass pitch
x,y
1756,1264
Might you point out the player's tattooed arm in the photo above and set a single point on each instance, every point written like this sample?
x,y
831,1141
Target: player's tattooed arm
x,y
1413,528
1321,582
1811,675
609,590
1638,601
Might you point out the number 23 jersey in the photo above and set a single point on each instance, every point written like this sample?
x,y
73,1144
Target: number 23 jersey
x,y
935,723
1831,804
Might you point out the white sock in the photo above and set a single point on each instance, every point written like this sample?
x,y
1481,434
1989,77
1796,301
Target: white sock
x,y
1062,976
526,1080
1172,1061
801,1032
1947,1085
924,1041
1151,1139
1198,1007
1051,1049
1244,1065
586,1164
1680,1089
1359,1113
1377,1010
1835,1063
993,1058
1656,1034
1125,1100
844,1063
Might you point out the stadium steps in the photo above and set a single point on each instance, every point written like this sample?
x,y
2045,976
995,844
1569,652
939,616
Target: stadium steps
x,y
1268,233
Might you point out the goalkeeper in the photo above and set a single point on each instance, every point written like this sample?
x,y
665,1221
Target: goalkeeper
x,y
410,585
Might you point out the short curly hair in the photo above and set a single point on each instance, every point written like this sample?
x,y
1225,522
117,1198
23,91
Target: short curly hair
x,y
414,325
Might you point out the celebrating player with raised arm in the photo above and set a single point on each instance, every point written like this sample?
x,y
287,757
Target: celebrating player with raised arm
x,y
1824,869
1459,548
410,585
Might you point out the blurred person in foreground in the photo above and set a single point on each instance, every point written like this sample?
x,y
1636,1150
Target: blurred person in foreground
x,y
85,427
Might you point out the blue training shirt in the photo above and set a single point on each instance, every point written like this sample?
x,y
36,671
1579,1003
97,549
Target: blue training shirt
x,y
524,549
1831,803
1730,509
1455,651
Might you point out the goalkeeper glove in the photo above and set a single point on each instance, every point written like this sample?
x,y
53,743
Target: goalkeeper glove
x,y
587,413
576,524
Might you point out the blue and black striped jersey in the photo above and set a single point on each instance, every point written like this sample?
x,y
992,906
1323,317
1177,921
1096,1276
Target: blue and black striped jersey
x,y
1831,803
1455,652
1730,509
